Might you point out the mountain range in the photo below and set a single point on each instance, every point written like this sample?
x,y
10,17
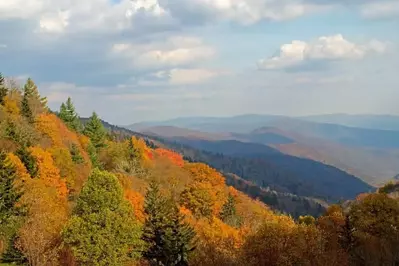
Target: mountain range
x,y
366,146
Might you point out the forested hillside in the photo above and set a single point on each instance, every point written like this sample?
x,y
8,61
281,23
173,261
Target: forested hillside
x,y
267,167
78,194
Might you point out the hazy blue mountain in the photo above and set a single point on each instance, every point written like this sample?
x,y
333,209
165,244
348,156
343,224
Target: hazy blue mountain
x,y
238,124
350,136
384,122
371,154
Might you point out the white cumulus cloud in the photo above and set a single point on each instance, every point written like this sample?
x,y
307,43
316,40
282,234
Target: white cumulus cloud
x,y
326,48
176,51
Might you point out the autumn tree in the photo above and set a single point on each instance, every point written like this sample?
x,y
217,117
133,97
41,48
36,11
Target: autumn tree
x,y
95,130
271,244
103,230
28,160
169,238
374,223
69,115
47,212
307,220
228,214
3,89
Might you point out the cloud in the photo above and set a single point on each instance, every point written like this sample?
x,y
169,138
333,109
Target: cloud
x,y
324,49
241,11
380,9
176,51
54,23
188,76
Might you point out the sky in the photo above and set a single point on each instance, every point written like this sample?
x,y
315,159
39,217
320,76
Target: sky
x,y
139,60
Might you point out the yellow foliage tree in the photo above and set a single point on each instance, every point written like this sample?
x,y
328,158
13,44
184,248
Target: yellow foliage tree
x,y
48,172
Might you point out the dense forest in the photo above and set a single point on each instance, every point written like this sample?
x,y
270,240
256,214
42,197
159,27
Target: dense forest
x,y
74,193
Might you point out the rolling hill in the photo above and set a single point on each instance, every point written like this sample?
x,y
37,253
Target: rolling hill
x,y
371,154
267,167
384,122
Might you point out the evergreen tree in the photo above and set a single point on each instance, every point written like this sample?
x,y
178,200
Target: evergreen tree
x,y
91,150
102,230
28,160
169,239
32,102
3,89
9,194
9,211
134,153
95,130
26,111
179,240
69,115
156,224
75,154
228,214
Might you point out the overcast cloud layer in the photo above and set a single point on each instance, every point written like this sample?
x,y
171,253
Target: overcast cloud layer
x,y
157,59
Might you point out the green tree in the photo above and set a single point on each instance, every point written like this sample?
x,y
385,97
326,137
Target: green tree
x,y
228,214
168,237
10,212
95,130
28,160
179,240
3,89
75,154
26,110
69,116
102,230
91,150
156,223
307,220
9,194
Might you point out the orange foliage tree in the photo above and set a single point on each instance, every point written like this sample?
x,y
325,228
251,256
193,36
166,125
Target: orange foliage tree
x,y
174,157
206,194
48,172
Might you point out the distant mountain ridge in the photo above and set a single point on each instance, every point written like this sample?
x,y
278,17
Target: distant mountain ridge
x,y
371,154
382,122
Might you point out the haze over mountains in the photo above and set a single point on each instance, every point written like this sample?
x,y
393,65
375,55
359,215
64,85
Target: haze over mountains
x,y
366,146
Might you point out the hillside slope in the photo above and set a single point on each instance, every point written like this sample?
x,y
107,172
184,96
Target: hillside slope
x,y
369,154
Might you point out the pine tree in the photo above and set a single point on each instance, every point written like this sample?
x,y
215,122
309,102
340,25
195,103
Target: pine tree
x,y
75,154
95,130
26,111
156,224
28,160
179,240
3,89
9,194
169,239
10,212
69,115
91,150
228,214
102,230
32,102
